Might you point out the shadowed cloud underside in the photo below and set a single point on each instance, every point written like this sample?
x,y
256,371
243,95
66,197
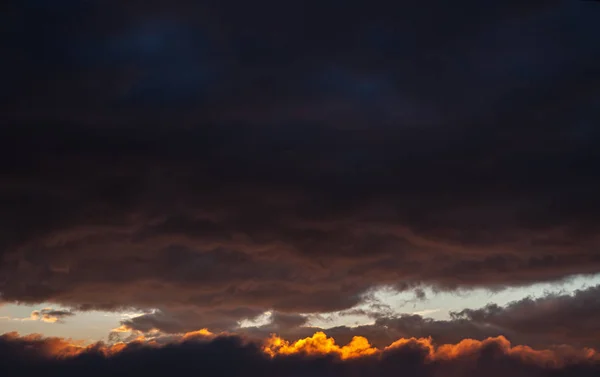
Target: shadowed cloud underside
x,y
217,163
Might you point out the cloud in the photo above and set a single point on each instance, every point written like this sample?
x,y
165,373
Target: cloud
x,y
425,312
50,315
317,355
558,318
217,170
548,321
47,315
173,321
285,320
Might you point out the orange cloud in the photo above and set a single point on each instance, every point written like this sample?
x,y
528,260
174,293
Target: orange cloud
x,y
321,344
202,333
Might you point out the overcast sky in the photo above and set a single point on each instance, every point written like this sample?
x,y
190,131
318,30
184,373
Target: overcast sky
x,y
388,170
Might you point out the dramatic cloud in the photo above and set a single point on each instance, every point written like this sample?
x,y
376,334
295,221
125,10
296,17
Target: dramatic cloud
x,y
216,160
318,355
549,321
568,319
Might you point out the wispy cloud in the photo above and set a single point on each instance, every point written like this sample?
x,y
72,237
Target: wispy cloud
x,y
48,315
426,312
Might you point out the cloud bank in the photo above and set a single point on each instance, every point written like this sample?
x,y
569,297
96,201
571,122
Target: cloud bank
x,y
214,161
212,355
548,321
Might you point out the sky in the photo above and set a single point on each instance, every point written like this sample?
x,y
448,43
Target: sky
x,y
324,188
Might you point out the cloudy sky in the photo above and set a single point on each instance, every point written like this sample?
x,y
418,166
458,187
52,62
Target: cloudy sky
x,y
328,188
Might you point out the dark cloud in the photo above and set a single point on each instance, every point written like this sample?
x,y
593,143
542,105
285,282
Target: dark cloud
x,y
231,356
51,315
555,318
174,321
549,321
207,158
284,320
386,330
47,315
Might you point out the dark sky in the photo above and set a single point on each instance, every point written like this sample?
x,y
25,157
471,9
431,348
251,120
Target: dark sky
x,y
218,159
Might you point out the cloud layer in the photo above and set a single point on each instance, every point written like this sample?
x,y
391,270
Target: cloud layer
x,y
318,355
553,320
215,161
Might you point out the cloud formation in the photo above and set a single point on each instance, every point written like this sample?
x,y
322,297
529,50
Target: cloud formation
x,y
47,315
559,318
549,321
50,315
211,355
215,161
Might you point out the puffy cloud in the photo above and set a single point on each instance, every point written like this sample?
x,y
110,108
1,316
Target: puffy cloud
x,y
216,162
317,355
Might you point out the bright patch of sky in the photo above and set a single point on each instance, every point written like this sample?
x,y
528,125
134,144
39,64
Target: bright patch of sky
x,y
94,325
438,305
89,326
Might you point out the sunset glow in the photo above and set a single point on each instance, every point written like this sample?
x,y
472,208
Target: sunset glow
x,y
321,345
308,188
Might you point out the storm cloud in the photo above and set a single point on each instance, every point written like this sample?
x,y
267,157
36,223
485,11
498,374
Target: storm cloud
x,y
558,318
214,161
